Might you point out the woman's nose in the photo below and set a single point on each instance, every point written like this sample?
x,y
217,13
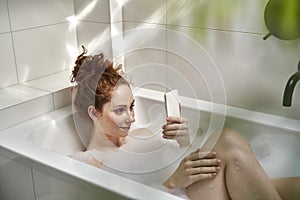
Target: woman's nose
x,y
130,117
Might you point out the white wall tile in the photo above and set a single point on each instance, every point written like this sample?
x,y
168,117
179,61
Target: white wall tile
x,y
185,77
17,94
31,13
8,74
243,15
95,37
96,10
62,98
145,60
43,51
28,109
191,69
53,82
16,180
144,11
4,20
143,36
147,75
254,71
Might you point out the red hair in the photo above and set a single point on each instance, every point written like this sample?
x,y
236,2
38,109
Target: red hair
x,y
96,79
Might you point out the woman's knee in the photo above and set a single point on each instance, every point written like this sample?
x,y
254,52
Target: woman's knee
x,y
230,139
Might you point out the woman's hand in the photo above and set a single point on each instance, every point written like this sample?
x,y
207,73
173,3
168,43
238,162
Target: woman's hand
x,y
177,128
195,167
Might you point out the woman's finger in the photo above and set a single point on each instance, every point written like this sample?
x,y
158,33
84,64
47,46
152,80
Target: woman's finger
x,y
176,133
200,155
203,170
201,177
203,163
170,127
176,120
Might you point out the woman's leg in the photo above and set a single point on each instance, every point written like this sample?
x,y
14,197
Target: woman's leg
x,y
288,188
240,177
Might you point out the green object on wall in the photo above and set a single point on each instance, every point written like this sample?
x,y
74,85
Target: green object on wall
x,y
282,18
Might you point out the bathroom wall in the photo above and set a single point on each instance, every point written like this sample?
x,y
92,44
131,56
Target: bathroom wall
x,y
37,48
93,25
254,71
40,41
45,42
39,38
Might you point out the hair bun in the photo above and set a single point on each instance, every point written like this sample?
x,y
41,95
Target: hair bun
x,y
87,66
78,63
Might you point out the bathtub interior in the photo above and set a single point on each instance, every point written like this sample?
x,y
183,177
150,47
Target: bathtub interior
x,y
59,136
276,149
62,136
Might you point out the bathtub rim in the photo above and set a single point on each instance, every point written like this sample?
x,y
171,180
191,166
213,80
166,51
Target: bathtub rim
x,y
272,120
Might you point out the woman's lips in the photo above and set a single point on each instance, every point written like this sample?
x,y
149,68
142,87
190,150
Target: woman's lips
x,y
125,128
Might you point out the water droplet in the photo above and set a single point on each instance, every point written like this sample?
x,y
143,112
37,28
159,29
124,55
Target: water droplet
x,y
237,165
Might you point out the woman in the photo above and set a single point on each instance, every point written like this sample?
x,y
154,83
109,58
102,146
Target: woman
x,y
104,99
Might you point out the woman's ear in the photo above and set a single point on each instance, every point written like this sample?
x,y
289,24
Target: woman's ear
x,y
92,112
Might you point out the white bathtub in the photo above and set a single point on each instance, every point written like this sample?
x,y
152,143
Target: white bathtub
x,y
50,138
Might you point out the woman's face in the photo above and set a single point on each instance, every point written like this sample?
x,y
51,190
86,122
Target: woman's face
x,y
118,114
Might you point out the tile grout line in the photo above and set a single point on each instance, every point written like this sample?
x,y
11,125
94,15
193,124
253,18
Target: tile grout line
x,y
38,27
13,43
195,27
166,51
33,184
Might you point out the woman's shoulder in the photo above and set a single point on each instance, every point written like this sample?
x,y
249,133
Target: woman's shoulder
x,y
141,132
87,157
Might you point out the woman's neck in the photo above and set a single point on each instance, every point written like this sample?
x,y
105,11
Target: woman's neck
x,y
100,141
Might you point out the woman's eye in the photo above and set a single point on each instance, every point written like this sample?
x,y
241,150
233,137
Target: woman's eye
x,y
119,111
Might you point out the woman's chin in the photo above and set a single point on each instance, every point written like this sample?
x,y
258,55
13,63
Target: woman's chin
x,y
124,133
125,130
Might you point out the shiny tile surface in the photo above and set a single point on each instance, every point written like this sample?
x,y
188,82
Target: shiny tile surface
x,y
8,75
246,16
53,82
25,110
145,11
95,10
4,20
95,37
17,94
38,13
52,49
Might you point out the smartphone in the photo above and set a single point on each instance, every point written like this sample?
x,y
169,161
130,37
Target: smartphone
x,y
172,103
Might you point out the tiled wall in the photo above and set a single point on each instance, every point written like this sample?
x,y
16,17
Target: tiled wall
x,y
254,71
39,38
93,28
40,41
